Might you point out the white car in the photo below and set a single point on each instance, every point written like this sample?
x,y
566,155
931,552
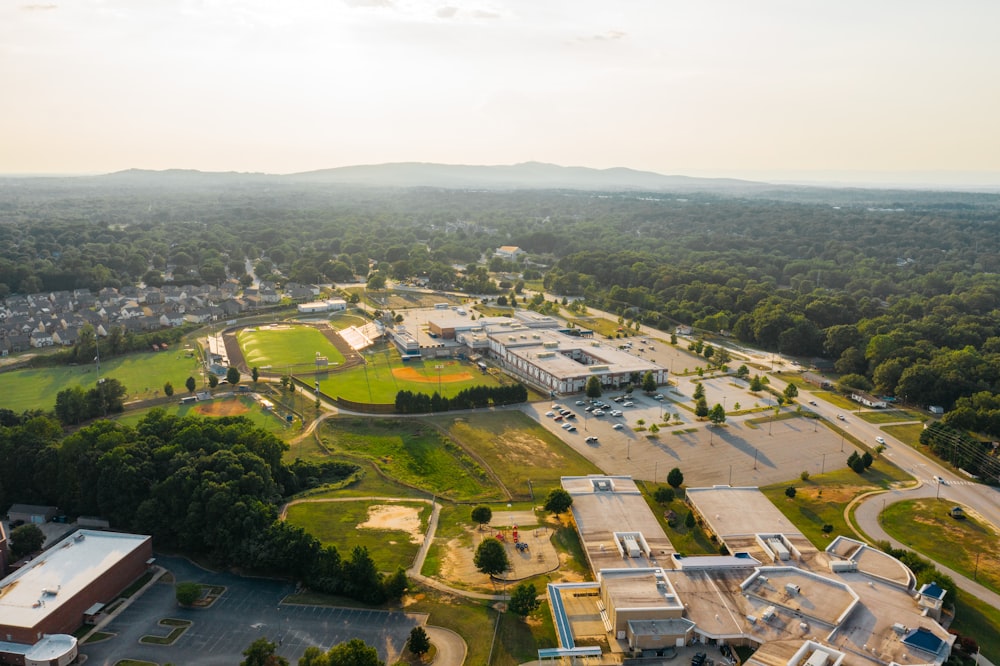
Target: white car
x,y
618,426
598,412
628,403
580,403
841,417
550,414
567,425
880,440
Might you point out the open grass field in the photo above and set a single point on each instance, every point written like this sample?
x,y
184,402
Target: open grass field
x,y
143,375
384,374
517,449
391,531
821,500
282,345
908,433
228,406
891,415
343,320
413,453
689,541
926,526
836,399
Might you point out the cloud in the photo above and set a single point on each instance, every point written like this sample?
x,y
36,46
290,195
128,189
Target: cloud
x,y
36,8
446,12
483,14
610,35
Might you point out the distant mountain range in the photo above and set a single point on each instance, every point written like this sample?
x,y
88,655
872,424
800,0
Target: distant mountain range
x,y
528,175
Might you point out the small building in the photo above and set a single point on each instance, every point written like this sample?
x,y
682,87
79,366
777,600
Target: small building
x,y
328,305
869,400
936,409
509,252
31,513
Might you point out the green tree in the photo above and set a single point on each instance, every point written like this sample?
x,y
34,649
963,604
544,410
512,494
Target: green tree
x,y
790,492
254,374
190,384
25,540
649,382
699,391
524,599
717,415
418,643
689,520
664,495
675,478
743,372
491,557
701,408
354,652
594,387
233,375
213,380
791,391
187,593
261,653
558,501
481,515
756,384
313,656
168,389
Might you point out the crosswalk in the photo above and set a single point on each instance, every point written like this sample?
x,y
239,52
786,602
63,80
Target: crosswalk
x,y
931,481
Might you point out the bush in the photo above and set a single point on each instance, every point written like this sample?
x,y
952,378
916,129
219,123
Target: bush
x,y
790,491
664,495
187,593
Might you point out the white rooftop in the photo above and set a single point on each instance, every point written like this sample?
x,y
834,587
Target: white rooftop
x,y
40,587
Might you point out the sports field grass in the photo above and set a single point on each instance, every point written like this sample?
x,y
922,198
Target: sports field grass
x,y
413,453
230,406
349,524
517,449
384,374
142,374
281,346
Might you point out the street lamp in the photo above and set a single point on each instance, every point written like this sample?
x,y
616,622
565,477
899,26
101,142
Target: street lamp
x,y
823,465
937,494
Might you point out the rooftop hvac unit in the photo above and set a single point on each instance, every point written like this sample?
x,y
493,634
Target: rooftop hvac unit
x,y
818,658
767,614
752,619
900,628
792,589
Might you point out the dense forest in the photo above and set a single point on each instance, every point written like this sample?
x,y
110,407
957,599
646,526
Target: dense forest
x,y
209,487
900,289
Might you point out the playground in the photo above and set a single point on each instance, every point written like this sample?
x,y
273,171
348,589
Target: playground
x,y
529,549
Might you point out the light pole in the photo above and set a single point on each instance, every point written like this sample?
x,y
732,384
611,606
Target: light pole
x,y
937,494
730,476
823,465
438,367
755,452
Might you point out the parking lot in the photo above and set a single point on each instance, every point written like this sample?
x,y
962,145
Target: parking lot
x,y
249,609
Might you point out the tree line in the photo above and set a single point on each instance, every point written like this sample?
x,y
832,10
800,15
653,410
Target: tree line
x,y
207,487
409,402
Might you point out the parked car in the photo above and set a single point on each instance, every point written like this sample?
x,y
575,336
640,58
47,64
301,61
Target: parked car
x,y
598,412
550,414
591,439
580,403
571,428
618,426
628,403
567,426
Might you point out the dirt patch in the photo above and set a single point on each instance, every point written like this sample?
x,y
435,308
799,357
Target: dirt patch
x,y
411,375
539,557
231,407
395,517
842,495
521,448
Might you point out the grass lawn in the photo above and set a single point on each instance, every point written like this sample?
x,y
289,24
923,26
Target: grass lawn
x,y
836,399
821,500
687,541
979,620
282,346
517,450
891,416
234,405
142,374
385,374
413,453
343,320
602,327
925,526
908,433
340,524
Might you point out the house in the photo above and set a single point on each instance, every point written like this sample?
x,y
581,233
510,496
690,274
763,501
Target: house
x,y
41,339
869,400
298,291
509,252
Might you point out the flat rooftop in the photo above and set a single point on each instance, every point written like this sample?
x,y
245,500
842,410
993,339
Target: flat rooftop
x,y
607,505
39,588
550,350
732,512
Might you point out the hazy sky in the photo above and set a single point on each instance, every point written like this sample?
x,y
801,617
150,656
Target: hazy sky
x,y
736,87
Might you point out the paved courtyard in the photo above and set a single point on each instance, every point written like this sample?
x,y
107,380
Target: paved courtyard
x,y
249,608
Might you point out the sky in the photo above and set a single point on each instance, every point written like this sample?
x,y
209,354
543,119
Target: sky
x,y
842,89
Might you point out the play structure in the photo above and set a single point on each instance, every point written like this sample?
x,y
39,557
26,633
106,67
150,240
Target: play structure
x,y
521,546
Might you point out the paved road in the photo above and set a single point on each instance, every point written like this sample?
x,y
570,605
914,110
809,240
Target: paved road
x,y
866,513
